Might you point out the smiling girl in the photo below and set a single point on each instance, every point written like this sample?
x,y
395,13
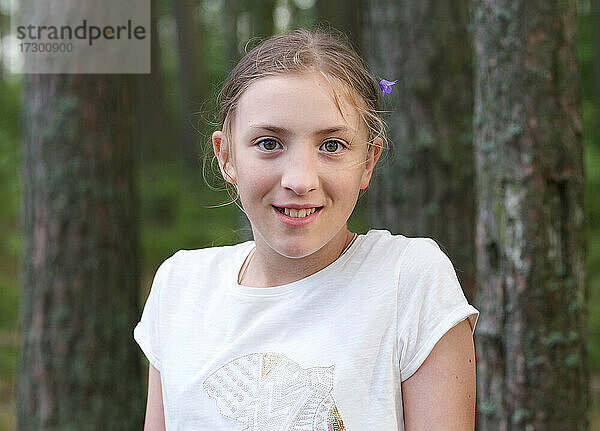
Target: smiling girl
x,y
309,326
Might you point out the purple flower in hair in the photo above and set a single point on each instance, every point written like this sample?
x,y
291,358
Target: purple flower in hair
x,y
386,86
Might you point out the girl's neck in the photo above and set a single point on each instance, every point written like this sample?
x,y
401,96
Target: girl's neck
x,y
267,268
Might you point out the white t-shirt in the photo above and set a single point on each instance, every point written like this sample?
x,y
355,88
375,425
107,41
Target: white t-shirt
x,y
327,352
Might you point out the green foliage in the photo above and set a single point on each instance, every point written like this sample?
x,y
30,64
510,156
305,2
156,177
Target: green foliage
x,y
9,190
10,244
592,212
9,196
589,79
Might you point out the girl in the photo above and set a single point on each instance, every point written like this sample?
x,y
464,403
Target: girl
x,y
309,326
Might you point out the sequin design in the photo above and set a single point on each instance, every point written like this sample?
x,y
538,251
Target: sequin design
x,y
270,392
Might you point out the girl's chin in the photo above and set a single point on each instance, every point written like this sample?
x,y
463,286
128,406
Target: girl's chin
x,y
294,246
300,250
295,253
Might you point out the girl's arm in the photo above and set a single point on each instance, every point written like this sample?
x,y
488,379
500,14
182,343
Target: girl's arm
x,y
440,395
155,417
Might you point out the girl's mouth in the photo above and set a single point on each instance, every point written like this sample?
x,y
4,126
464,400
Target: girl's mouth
x,y
294,213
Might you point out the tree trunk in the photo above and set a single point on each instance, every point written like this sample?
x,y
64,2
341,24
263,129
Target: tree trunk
x,y
231,14
343,16
155,132
78,367
531,353
426,188
192,77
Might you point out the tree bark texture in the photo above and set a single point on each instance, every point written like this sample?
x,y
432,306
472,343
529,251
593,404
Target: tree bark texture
x,y
530,342
426,187
79,368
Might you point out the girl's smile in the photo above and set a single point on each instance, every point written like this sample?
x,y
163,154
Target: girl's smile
x,y
299,163
294,217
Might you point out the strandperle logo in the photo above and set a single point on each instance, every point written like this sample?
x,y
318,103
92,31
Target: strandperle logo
x,y
81,36
82,32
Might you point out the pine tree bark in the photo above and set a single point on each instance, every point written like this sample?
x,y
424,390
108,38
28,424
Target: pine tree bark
x,y
426,187
78,367
531,354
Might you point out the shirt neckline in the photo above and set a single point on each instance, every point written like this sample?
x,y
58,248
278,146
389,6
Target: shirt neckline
x,y
290,287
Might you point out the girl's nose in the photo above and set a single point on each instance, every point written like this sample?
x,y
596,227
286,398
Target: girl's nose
x,y
300,172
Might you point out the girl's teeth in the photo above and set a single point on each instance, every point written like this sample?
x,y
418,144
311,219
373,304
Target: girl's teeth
x,y
291,212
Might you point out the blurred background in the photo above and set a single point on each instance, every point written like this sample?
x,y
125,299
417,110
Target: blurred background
x,y
117,171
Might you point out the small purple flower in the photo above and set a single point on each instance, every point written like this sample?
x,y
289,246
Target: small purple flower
x,y
386,86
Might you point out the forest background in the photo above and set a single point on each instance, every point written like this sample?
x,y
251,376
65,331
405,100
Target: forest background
x,y
174,107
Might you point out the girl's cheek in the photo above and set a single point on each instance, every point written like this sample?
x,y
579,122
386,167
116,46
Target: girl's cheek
x,y
253,181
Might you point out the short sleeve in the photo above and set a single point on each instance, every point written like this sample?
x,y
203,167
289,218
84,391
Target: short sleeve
x,y
146,332
430,302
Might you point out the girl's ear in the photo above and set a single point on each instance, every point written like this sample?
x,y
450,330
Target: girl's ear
x,y
222,152
373,154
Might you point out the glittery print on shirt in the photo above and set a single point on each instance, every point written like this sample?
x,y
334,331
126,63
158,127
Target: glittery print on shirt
x,y
270,392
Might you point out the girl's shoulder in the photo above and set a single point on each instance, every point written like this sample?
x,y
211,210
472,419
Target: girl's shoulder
x,y
403,250
385,240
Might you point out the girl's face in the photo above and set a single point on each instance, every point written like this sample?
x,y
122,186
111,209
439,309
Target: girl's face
x,y
293,148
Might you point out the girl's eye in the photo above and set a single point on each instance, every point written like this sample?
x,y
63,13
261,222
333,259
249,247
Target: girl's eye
x,y
268,144
333,146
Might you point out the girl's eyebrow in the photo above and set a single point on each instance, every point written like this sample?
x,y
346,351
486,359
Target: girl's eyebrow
x,y
287,132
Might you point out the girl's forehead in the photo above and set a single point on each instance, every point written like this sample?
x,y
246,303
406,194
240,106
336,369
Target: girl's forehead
x,y
296,100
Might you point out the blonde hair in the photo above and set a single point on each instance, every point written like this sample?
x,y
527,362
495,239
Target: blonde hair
x,y
302,51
